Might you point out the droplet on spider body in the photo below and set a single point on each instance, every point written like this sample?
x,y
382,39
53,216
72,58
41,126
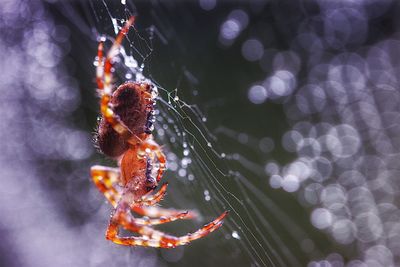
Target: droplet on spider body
x,y
101,38
141,153
154,92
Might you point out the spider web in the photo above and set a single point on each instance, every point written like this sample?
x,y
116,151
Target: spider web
x,y
200,173
334,123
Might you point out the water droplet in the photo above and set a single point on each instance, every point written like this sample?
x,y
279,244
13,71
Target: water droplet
x,y
154,92
130,62
128,76
235,235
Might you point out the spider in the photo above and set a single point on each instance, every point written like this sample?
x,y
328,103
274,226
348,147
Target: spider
x,y
124,133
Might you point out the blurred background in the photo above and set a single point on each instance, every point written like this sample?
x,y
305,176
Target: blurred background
x,y
285,113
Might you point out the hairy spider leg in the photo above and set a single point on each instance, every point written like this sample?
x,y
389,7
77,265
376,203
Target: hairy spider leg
x,y
150,200
114,50
150,237
157,212
104,80
152,146
161,220
105,178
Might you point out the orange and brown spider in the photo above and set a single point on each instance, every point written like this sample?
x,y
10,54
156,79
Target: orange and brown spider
x,y
124,133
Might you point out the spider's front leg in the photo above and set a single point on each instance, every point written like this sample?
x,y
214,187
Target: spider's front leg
x,y
104,79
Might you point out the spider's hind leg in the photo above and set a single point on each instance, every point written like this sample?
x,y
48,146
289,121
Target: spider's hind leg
x,y
170,241
150,200
150,237
157,212
163,219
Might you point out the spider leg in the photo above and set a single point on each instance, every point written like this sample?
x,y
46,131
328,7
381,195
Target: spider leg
x,y
165,219
150,237
150,200
157,212
114,50
105,86
144,207
159,215
151,145
105,178
160,239
112,234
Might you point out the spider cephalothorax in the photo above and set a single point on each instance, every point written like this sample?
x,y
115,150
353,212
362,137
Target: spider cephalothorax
x,y
124,133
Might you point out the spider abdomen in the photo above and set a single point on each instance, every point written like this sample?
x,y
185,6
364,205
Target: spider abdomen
x,y
133,104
